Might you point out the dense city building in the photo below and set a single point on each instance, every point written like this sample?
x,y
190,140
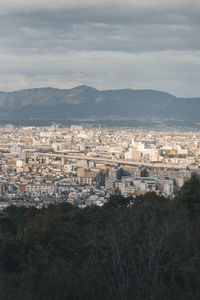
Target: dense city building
x,y
84,166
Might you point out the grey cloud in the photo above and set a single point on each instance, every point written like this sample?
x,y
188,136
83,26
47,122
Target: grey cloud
x,y
98,29
140,44
99,36
168,71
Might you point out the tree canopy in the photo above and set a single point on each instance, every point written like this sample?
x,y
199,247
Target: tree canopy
x,y
143,248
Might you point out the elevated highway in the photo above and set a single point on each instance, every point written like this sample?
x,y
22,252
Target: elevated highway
x,y
118,162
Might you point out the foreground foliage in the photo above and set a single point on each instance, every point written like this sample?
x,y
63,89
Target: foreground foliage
x,y
146,248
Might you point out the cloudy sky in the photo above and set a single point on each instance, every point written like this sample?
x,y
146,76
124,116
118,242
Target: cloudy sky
x,y
153,44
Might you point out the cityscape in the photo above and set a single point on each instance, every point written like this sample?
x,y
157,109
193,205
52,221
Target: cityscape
x,y
99,150
85,166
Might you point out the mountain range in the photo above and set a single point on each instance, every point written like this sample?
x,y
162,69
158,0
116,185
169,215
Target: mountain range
x,y
85,101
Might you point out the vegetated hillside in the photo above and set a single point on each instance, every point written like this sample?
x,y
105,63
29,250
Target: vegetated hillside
x,y
143,248
84,101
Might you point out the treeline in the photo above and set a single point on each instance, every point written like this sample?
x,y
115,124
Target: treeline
x,y
143,248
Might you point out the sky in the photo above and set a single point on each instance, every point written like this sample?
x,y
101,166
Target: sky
x,y
138,44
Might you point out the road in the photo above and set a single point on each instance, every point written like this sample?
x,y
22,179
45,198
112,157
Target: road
x,y
114,161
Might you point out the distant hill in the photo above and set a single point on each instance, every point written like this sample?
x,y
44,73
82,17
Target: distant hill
x,y
84,101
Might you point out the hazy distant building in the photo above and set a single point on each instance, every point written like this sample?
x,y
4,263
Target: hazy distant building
x,y
115,173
